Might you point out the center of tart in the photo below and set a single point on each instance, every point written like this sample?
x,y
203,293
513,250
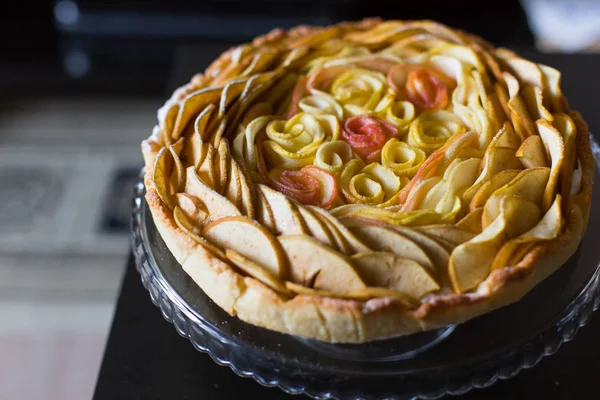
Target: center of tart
x,y
356,133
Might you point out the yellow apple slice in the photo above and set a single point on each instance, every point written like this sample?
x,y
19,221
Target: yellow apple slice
x,y
207,172
233,190
316,227
222,166
264,215
192,207
548,228
350,243
470,262
216,205
566,126
285,214
530,185
449,233
249,239
248,194
555,146
319,266
192,105
382,239
257,272
532,153
489,187
436,252
363,294
177,180
391,271
193,231
472,221
163,165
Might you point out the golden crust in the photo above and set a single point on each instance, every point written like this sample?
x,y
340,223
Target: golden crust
x,y
349,321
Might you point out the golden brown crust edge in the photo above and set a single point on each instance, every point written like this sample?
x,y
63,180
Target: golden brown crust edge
x,y
346,321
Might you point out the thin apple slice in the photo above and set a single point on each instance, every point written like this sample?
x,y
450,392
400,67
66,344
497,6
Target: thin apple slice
x,y
489,187
233,191
350,242
436,252
555,147
363,294
285,214
472,221
264,215
391,271
248,194
222,166
449,233
548,228
192,207
532,153
257,272
206,171
182,221
163,165
316,227
249,239
383,239
470,262
216,205
319,266
530,185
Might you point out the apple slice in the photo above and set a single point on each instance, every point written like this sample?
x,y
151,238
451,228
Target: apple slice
x,y
532,153
530,185
233,191
264,215
316,227
436,252
216,205
472,221
222,166
257,272
285,214
489,187
363,294
326,269
548,228
163,164
449,233
248,194
470,262
383,239
182,221
249,239
394,272
350,243
555,146
192,207
206,171
328,185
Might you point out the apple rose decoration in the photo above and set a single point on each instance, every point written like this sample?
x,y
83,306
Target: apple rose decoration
x,y
373,184
359,90
310,185
294,143
398,113
367,135
432,129
402,158
425,87
321,103
333,156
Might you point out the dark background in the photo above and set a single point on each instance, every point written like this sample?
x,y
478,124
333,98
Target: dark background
x,y
127,47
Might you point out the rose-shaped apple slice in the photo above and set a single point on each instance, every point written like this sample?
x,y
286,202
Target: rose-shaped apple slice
x,y
309,185
423,86
367,135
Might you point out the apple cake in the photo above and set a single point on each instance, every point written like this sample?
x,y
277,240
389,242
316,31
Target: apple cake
x,y
368,179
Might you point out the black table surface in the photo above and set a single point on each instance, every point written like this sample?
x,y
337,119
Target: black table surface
x,y
145,358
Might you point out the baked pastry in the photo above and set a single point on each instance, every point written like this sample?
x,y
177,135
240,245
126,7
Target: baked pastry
x,y
369,179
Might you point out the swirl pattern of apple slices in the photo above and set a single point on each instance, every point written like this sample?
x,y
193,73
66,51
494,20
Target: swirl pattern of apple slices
x,y
394,160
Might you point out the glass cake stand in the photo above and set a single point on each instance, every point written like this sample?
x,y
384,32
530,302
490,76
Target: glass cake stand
x,y
451,360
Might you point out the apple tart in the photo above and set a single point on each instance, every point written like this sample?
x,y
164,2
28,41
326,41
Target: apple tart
x,y
368,179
